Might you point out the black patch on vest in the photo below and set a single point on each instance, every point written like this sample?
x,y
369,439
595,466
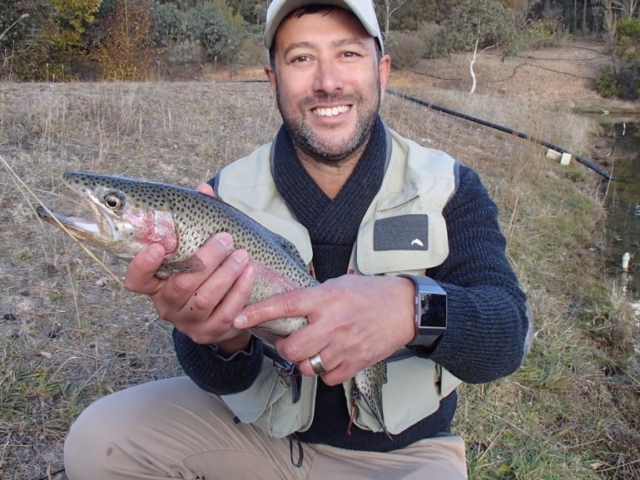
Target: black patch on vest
x,y
406,232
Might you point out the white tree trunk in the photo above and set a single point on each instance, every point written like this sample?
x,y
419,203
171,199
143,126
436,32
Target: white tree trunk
x,y
628,7
391,6
387,17
473,60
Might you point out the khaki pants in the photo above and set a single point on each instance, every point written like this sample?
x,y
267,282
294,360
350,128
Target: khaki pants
x,y
173,429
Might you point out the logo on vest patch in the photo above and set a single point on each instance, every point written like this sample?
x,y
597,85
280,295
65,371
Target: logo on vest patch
x,y
405,232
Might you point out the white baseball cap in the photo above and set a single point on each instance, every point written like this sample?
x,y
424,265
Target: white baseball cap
x,y
363,9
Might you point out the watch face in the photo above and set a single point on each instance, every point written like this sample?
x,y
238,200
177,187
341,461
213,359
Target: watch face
x,y
433,310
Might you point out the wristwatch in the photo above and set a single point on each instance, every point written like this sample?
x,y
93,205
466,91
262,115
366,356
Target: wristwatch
x,y
431,311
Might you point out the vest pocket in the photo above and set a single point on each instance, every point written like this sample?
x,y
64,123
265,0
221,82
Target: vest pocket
x,y
410,394
402,235
269,404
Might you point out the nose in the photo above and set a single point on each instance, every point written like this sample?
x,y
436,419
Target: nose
x,y
328,78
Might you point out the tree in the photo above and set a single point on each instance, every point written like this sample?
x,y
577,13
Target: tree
x,y
218,28
6,30
390,7
627,7
623,78
50,42
477,26
125,53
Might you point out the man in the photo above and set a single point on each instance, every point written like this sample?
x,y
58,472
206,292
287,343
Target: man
x,y
363,206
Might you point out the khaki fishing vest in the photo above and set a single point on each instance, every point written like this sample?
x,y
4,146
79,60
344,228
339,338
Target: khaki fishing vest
x,y
417,181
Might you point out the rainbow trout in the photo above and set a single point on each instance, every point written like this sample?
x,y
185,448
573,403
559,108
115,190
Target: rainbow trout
x,y
130,214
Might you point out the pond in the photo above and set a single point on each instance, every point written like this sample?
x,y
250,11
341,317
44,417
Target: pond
x,y
623,205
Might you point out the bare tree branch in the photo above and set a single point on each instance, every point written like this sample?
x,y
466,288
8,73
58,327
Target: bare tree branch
x,y
24,15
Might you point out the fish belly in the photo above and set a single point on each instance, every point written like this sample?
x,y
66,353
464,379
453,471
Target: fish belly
x,y
269,283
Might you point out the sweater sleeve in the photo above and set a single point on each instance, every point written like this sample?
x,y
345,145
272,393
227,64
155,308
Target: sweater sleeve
x,y
489,319
214,373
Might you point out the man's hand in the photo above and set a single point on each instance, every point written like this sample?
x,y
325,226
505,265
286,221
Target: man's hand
x,y
354,321
201,304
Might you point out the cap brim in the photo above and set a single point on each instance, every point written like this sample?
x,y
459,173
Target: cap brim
x,y
279,9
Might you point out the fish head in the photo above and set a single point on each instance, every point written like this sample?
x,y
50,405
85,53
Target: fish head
x,y
128,215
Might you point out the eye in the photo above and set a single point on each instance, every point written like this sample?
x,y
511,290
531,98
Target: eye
x,y
113,201
300,59
351,55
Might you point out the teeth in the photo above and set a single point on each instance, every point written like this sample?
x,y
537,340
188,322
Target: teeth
x,y
330,112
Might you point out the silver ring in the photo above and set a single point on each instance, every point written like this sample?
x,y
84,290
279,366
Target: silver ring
x,y
316,365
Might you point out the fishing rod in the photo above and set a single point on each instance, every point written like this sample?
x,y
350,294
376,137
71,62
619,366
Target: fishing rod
x,y
596,168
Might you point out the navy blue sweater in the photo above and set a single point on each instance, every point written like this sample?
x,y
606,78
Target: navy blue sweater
x,y
487,319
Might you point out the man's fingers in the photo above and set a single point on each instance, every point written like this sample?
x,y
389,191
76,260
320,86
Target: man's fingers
x,y
140,276
296,303
213,253
229,303
206,189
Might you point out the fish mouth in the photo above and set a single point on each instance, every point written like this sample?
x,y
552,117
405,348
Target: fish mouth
x,y
98,233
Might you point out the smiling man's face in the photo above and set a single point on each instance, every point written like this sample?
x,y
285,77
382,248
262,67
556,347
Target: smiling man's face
x,y
328,83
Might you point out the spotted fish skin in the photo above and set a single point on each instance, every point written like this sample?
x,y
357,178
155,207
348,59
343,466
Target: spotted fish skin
x,y
131,214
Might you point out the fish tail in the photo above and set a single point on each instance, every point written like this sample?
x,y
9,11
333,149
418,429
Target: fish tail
x,y
368,387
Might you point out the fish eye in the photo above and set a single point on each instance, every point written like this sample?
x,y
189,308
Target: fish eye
x,y
113,201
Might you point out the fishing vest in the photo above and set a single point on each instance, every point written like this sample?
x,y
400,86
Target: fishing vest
x,y
417,181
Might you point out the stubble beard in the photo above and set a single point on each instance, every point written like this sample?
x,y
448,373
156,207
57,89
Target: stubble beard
x,y
305,139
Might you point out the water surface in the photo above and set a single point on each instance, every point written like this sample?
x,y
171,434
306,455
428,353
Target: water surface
x,y
623,204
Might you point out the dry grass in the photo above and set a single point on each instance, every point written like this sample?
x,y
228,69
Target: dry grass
x,y
67,336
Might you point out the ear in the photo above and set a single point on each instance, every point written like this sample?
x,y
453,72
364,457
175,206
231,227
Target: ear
x,y
384,69
271,76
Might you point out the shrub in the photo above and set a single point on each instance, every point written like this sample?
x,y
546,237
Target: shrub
x,y
218,28
628,80
623,80
429,32
170,24
544,33
406,49
210,29
51,41
605,82
125,52
628,40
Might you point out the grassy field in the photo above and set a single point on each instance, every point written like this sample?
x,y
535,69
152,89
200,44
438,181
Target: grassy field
x,y
69,335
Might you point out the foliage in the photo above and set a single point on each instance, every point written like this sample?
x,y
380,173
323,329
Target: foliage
x,y
428,32
605,82
125,53
170,24
545,33
389,8
14,30
59,36
50,44
476,25
415,12
254,12
218,28
484,23
405,48
212,26
62,34
628,40
623,79
623,83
